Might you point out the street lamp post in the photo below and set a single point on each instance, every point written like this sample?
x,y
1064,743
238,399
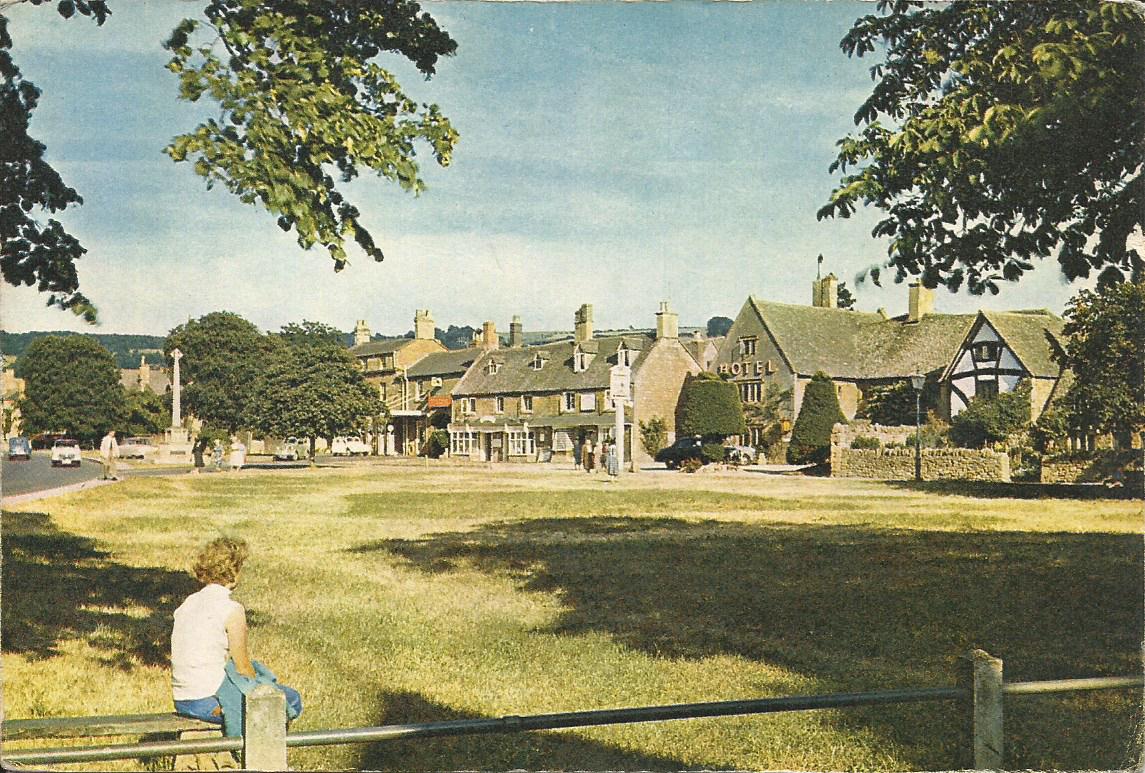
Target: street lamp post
x,y
916,382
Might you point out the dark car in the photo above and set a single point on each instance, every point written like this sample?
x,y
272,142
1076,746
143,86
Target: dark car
x,y
684,448
19,448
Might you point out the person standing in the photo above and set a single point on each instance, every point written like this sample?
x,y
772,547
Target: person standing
x,y
611,463
217,455
578,450
589,453
108,454
238,455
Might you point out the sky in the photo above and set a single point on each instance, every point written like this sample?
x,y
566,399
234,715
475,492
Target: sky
x,y
618,154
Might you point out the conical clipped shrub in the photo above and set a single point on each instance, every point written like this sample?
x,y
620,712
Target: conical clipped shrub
x,y
710,407
811,436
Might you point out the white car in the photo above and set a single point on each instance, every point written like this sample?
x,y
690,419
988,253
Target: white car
x,y
288,451
136,448
349,445
66,452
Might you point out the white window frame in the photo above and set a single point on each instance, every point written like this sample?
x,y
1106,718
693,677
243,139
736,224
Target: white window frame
x,y
499,404
748,346
587,401
568,402
624,356
526,403
750,391
537,363
522,443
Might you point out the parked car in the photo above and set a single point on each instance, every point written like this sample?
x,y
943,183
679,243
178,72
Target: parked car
x,y
288,451
19,448
739,454
684,448
66,452
136,448
349,445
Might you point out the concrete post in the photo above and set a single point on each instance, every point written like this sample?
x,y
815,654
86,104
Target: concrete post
x,y
264,729
981,677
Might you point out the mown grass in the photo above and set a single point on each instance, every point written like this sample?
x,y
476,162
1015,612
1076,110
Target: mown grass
x,y
395,596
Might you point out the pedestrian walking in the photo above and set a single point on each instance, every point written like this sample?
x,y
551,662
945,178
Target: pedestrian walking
x,y
108,455
238,455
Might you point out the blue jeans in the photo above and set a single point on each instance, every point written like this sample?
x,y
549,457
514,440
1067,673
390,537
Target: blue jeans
x,y
209,710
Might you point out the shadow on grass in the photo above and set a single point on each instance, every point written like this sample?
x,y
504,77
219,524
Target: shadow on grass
x,y
58,586
855,608
554,750
988,490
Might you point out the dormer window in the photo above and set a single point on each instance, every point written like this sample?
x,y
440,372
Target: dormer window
x,y
624,356
538,362
492,367
748,345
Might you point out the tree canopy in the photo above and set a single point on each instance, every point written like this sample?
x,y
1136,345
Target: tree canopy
x,y
311,388
998,134
71,385
223,355
1102,346
303,108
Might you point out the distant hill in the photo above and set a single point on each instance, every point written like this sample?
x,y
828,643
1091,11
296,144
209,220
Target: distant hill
x,y
127,349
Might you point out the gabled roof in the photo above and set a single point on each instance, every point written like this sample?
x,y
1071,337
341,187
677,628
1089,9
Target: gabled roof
x,y
516,375
861,345
380,347
453,363
1032,336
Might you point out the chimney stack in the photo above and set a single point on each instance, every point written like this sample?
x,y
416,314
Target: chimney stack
x,y
361,333
584,323
516,333
921,302
825,292
489,338
667,322
423,327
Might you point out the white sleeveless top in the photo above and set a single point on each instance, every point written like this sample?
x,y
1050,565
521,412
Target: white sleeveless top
x,y
199,643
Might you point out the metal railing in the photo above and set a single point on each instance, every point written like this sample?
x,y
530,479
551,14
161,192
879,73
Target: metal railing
x,y
980,687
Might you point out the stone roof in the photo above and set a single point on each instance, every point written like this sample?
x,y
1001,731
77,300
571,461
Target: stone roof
x,y
452,363
862,345
1032,336
379,347
516,375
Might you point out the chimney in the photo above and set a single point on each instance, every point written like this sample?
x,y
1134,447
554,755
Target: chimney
x,y
825,292
584,323
423,327
667,322
921,302
516,333
361,333
489,338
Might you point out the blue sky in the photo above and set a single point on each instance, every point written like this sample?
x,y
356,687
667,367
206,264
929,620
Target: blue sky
x,y
617,154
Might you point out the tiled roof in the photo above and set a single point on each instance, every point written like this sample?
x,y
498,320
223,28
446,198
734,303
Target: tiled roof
x,y
1032,336
862,345
444,363
516,374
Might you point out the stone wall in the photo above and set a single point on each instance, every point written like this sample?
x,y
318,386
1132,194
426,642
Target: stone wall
x,y
843,434
937,464
1095,468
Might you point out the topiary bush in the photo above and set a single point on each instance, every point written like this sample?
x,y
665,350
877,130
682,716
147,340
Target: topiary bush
x,y
811,435
710,407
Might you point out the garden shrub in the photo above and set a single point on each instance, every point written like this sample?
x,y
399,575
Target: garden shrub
x,y
811,435
894,404
867,443
992,419
712,452
436,444
710,407
691,465
653,435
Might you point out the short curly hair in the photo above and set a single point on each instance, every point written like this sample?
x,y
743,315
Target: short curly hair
x,y
220,561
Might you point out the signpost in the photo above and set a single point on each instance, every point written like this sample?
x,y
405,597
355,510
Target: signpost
x,y
620,388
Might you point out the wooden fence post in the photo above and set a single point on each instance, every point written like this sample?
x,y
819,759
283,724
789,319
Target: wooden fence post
x,y
264,729
981,676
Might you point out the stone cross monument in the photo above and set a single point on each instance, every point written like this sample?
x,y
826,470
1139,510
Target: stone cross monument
x,y
176,392
176,445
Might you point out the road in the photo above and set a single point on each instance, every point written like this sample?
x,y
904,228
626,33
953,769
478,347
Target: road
x,y
38,474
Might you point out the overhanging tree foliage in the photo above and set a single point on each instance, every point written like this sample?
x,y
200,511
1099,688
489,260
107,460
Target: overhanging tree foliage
x,y
71,385
710,407
303,108
311,388
818,413
1102,346
992,419
223,355
999,133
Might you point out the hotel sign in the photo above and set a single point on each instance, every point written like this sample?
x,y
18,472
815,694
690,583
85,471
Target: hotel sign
x,y
757,368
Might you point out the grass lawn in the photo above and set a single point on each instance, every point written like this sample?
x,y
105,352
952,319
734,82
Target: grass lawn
x,y
397,595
